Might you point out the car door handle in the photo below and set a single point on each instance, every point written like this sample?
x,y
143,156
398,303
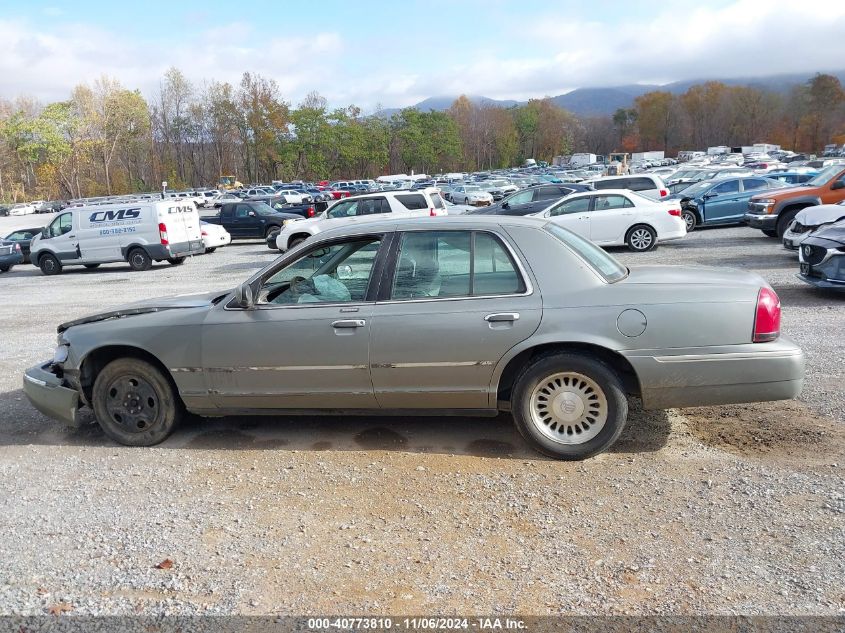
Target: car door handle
x,y
502,316
349,323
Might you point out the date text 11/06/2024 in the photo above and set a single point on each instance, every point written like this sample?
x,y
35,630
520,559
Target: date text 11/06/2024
x,y
417,623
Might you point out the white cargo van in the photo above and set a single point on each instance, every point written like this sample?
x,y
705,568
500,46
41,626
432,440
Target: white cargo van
x,y
135,232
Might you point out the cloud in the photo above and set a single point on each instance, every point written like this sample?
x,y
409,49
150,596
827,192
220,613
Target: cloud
x,y
553,49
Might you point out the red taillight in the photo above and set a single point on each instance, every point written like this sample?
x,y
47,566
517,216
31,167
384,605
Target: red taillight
x,y
204,233
663,193
675,212
310,212
767,320
162,233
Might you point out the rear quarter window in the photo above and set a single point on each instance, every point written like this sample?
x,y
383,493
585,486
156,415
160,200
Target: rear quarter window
x,y
640,184
412,202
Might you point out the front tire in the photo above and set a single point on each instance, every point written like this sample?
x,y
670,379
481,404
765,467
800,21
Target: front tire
x,y
139,259
134,403
569,406
49,264
641,238
295,242
784,221
690,219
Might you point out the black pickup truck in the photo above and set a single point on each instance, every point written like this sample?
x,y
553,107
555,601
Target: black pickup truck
x,y
306,209
250,219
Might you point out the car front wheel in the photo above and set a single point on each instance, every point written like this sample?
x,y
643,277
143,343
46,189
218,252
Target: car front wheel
x,y
49,264
689,219
134,403
641,238
569,406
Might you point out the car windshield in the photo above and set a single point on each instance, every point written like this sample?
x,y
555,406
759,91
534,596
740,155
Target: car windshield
x,y
824,175
472,188
601,261
698,187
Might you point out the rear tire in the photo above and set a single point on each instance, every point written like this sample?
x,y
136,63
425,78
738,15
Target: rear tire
x,y
5,269
769,233
641,238
211,250
139,259
49,264
134,403
176,261
569,406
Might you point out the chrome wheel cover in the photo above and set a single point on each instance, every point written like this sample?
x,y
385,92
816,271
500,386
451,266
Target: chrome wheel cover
x,y
568,408
641,239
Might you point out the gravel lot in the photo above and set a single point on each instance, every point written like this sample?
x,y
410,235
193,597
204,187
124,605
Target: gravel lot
x,y
715,510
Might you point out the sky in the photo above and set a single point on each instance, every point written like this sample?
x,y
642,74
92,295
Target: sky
x,y
396,53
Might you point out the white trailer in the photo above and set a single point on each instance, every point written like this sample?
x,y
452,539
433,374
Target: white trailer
x,y
638,157
718,149
582,160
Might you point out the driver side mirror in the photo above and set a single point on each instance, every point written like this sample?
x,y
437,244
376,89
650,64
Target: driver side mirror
x,y
244,297
251,214
707,196
506,205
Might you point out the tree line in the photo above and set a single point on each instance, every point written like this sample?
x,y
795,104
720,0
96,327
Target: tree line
x,y
108,139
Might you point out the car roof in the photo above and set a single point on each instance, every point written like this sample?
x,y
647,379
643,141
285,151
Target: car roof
x,y
436,223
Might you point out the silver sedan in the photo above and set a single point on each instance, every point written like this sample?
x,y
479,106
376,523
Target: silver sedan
x,y
466,315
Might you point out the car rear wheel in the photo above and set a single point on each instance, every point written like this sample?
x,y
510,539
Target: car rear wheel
x,y
690,219
49,264
569,406
5,269
641,238
770,233
175,261
211,250
139,259
134,403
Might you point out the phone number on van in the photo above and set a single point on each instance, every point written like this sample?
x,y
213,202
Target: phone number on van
x,y
120,229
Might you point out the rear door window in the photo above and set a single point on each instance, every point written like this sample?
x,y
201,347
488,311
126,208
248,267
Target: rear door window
x,y
613,201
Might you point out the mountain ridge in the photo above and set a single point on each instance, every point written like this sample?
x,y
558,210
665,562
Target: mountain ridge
x,y
604,101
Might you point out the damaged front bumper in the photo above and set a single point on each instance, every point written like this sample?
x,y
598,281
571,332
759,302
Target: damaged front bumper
x,y
47,393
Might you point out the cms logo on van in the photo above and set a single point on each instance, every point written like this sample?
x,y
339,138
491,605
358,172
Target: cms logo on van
x,y
120,214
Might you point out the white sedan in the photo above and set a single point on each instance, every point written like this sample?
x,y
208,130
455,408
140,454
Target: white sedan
x,y
214,236
293,196
618,217
22,209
